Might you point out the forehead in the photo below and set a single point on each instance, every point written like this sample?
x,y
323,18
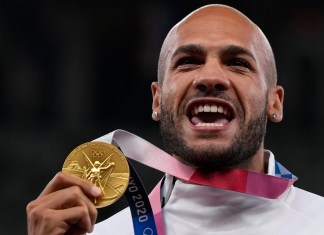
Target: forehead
x,y
215,27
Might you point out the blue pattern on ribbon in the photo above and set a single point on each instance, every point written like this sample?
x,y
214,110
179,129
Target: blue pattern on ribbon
x,y
282,172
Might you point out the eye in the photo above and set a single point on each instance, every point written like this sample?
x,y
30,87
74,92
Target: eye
x,y
240,63
187,61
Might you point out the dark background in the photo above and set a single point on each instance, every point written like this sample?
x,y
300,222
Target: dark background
x,y
72,71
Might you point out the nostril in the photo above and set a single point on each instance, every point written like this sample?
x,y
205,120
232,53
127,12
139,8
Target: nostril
x,y
201,87
210,84
219,87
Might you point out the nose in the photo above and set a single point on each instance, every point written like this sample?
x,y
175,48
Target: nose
x,y
211,78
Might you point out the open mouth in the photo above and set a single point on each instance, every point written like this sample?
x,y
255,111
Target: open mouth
x,y
210,113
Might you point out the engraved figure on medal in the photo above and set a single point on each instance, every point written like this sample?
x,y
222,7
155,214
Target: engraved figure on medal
x,y
95,171
103,165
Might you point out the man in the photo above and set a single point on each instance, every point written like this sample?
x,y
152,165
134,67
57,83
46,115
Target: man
x,y
216,90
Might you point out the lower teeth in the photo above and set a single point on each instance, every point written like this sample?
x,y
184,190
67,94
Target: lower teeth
x,y
209,124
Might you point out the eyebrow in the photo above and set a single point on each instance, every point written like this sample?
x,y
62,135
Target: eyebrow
x,y
189,49
200,50
236,50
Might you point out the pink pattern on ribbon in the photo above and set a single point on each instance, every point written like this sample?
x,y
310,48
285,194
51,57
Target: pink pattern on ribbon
x,y
231,179
270,188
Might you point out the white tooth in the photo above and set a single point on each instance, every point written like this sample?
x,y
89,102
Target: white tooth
x,y
225,111
201,109
196,110
207,108
213,108
217,124
203,124
220,109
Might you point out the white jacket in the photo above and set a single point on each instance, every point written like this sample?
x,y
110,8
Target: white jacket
x,y
195,209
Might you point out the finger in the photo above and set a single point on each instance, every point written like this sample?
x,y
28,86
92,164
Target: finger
x,y
45,213
65,198
63,180
61,221
75,198
77,217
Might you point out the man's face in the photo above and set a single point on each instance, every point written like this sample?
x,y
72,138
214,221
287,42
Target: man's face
x,y
213,101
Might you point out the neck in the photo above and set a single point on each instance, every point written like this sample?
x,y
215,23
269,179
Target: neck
x,y
258,163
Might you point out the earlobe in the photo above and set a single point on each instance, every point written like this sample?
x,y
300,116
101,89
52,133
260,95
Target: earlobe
x,y
156,95
275,104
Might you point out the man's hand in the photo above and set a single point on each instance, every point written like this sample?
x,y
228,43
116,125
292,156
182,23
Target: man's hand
x,y
64,207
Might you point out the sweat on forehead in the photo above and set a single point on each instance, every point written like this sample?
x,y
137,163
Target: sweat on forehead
x,y
204,17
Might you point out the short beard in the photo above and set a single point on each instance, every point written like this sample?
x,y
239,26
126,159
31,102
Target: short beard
x,y
243,147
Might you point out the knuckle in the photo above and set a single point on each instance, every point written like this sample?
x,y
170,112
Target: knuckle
x,y
59,176
75,191
84,211
93,214
32,210
47,216
30,206
76,194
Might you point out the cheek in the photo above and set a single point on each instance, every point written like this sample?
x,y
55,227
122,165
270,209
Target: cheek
x,y
257,102
174,92
170,98
252,98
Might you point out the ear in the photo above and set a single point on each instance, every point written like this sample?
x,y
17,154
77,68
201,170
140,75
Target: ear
x,y
275,103
156,93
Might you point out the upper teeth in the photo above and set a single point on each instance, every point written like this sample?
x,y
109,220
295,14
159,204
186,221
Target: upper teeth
x,y
207,108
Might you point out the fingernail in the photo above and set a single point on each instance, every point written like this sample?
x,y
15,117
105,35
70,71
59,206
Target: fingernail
x,y
96,191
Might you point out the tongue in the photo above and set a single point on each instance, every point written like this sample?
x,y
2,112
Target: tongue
x,y
209,118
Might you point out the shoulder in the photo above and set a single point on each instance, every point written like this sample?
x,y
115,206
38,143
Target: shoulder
x,y
120,223
309,204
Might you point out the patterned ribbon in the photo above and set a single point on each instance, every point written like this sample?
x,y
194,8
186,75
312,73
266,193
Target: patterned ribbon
x,y
237,180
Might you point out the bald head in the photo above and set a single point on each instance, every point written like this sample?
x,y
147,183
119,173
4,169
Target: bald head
x,y
215,19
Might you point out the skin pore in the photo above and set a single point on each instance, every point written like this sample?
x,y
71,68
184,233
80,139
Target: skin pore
x,y
216,56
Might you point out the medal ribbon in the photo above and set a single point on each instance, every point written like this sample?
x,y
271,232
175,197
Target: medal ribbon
x,y
232,179
140,206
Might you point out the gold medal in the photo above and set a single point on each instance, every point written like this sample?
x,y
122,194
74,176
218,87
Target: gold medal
x,y
103,165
